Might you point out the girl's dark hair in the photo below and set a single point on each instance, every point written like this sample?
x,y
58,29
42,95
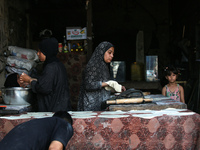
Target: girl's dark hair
x,y
169,70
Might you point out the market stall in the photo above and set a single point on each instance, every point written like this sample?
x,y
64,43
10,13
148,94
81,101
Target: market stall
x,y
136,129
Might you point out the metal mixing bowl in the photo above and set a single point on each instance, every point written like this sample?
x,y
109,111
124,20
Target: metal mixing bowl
x,y
17,95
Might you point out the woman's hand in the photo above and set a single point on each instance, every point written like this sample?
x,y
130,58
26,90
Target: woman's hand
x,y
24,84
24,78
104,84
123,88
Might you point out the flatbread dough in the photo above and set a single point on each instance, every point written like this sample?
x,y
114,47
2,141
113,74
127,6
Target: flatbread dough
x,y
84,117
113,116
113,85
146,116
112,112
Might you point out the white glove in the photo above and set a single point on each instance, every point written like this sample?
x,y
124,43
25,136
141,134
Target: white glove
x,y
113,85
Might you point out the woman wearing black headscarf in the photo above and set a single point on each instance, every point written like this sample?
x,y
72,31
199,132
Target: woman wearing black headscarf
x,y
52,86
95,76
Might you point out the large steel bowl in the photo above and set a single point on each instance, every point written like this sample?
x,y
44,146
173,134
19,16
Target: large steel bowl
x,y
17,95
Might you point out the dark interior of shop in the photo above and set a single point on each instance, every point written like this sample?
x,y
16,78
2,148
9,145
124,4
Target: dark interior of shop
x,y
170,27
69,92
170,30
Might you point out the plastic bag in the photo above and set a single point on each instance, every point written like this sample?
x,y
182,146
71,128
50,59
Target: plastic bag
x,y
18,62
24,53
16,70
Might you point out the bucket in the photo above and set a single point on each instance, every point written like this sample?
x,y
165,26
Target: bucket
x,y
137,71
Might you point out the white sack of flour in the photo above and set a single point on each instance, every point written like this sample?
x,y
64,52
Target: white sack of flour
x,y
16,70
18,62
24,53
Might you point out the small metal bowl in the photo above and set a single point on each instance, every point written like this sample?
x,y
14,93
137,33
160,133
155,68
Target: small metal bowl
x,y
17,95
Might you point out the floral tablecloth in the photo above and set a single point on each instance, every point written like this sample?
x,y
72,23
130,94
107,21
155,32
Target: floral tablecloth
x,y
171,129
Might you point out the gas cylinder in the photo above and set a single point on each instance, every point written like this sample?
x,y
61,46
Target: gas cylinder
x,y
137,71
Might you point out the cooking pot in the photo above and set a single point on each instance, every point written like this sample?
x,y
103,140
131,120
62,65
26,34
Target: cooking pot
x,y
17,95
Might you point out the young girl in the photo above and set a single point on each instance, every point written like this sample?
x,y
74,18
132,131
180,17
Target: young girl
x,y
172,89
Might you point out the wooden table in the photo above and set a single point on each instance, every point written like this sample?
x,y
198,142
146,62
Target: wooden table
x,y
125,130
159,102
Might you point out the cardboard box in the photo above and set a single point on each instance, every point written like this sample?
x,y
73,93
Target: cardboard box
x,y
76,33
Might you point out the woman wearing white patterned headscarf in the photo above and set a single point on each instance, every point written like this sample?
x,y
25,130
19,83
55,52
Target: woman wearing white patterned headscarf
x,y
96,73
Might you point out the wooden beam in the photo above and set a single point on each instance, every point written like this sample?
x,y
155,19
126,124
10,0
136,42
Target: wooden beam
x,y
89,28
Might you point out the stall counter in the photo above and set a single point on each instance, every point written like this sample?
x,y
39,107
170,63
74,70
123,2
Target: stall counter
x,y
158,102
14,109
136,129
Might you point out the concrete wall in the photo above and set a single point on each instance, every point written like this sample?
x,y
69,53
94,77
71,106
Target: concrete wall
x,y
13,28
